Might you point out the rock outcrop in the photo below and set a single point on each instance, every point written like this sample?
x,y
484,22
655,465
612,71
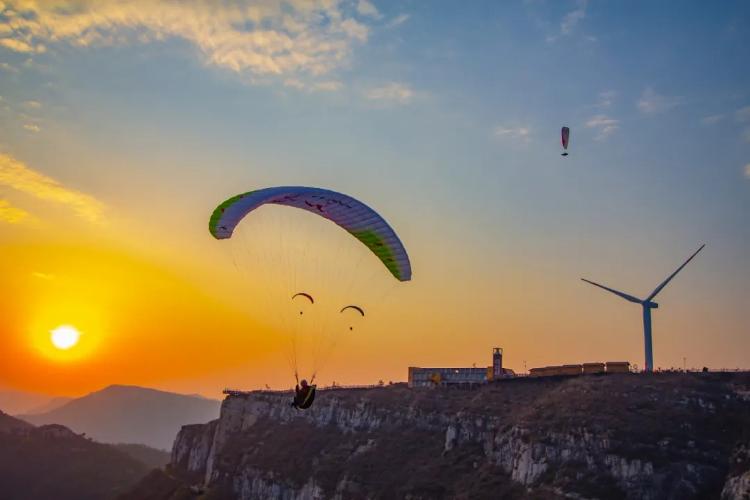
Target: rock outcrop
x,y
623,436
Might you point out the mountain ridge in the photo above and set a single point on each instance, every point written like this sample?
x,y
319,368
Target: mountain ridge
x,y
130,414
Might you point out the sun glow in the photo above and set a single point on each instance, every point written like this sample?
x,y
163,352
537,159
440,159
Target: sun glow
x,y
64,337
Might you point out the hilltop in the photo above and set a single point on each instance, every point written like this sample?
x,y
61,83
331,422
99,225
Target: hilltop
x,y
618,436
53,462
130,414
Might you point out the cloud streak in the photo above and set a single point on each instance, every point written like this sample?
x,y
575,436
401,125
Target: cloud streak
x,y
522,134
398,20
743,114
650,102
366,8
11,214
712,119
394,92
604,125
283,38
20,177
572,18
606,98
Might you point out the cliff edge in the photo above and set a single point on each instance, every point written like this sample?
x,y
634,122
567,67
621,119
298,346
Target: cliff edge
x,y
669,435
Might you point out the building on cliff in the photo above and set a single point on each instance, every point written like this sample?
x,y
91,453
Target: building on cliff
x,y
460,377
584,369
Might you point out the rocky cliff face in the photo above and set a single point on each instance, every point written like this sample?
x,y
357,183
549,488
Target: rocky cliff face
x,y
625,436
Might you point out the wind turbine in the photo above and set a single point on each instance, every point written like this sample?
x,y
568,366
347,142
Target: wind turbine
x,y
647,305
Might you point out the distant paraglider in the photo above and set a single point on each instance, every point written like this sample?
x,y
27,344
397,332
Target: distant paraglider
x,y
356,308
565,136
353,308
305,295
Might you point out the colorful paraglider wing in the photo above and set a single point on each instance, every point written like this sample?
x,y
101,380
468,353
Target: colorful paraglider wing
x,y
356,308
358,219
565,137
303,294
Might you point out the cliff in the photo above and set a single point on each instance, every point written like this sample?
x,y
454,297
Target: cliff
x,y
618,436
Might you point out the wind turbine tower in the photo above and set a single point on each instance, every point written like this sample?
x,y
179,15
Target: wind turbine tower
x,y
647,304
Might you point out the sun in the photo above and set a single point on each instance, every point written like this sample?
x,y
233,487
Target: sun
x,y
64,337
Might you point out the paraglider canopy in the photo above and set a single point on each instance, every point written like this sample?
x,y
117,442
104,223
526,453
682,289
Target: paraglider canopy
x,y
356,308
358,219
353,308
565,139
303,294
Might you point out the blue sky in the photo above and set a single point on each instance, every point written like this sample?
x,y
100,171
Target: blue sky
x,y
444,115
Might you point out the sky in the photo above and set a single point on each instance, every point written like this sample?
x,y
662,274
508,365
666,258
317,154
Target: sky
x,y
123,125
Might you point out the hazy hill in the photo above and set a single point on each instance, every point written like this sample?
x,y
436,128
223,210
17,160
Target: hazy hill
x,y
53,462
14,402
630,436
52,404
128,414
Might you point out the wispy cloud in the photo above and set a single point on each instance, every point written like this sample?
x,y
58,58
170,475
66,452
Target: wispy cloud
x,y
21,46
398,20
43,276
606,98
712,119
19,176
327,86
273,38
31,127
11,214
365,8
743,114
747,171
522,134
650,102
316,86
7,67
572,18
604,125
32,104
394,91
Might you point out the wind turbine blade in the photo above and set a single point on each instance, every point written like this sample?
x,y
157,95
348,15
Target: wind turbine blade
x,y
621,294
664,283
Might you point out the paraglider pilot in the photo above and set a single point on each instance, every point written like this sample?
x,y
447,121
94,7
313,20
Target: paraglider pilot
x,y
304,394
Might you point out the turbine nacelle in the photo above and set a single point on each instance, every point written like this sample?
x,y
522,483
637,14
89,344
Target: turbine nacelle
x,y
650,305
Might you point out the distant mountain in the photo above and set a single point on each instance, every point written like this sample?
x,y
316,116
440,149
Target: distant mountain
x,y
50,405
53,462
129,414
15,402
